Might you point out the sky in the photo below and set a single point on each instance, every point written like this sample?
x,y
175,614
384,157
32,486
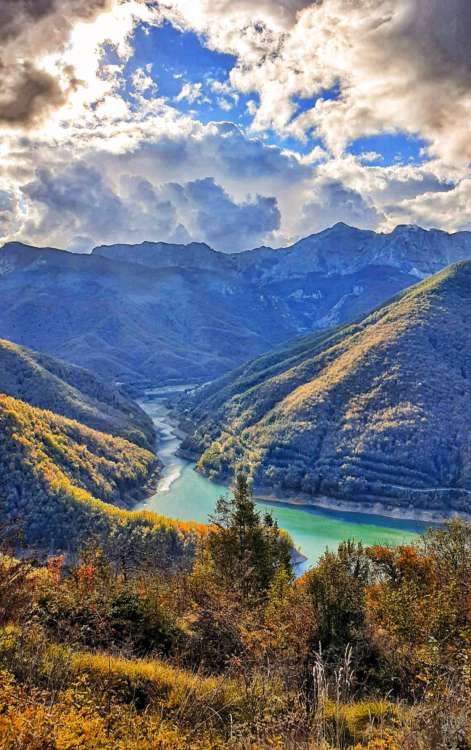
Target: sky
x,y
235,123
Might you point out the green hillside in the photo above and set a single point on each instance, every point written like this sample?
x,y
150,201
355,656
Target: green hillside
x,y
64,485
375,411
72,392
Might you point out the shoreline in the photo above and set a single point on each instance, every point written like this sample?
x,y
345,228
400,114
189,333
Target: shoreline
x,y
378,509
144,491
268,494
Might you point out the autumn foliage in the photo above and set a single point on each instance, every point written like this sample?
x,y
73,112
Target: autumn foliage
x,y
369,650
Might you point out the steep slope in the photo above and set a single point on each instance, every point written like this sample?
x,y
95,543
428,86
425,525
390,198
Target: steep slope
x,y
378,410
157,312
71,392
53,472
342,250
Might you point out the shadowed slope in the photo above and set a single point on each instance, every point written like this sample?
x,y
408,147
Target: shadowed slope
x,y
158,312
53,472
72,392
378,410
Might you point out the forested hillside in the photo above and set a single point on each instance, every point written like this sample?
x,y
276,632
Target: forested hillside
x,y
377,411
64,485
72,392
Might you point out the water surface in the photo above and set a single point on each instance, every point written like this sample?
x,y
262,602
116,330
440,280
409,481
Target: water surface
x,y
184,494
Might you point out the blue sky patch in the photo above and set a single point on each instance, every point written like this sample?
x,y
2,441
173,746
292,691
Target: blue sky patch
x,y
392,148
179,58
195,80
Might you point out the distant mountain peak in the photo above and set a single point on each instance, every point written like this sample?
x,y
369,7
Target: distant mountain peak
x,y
409,229
184,312
342,226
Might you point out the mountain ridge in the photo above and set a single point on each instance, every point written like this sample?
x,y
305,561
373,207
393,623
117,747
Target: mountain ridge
x,y
387,241
71,391
166,313
373,411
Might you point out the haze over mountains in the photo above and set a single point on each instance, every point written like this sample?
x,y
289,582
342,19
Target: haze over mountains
x,y
183,313
374,411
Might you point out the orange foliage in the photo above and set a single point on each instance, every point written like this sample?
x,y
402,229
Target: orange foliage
x,y
54,567
402,563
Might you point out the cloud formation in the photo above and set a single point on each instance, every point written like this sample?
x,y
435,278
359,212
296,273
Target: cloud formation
x,y
30,30
93,152
398,64
78,206
332,202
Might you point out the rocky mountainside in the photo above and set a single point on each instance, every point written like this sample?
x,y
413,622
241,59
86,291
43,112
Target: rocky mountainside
x,y
129,322
72,392
340,250
179,313
196,255
343,250
376,411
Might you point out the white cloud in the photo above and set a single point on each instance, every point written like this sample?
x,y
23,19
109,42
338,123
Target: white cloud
x,y
399,65
191,93
450,210
143,82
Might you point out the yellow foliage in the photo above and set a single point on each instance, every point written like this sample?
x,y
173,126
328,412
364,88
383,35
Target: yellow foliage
x,y
182,692
73,721
359,721
62,467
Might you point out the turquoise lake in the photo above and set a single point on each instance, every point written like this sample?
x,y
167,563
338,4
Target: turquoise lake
x,y
186,495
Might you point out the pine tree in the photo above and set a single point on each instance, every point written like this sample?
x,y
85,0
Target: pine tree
x,y
247,550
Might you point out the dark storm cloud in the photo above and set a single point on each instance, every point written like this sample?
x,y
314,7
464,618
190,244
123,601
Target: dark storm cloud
x,y
28,30
435,36
333,201
223,223
79,202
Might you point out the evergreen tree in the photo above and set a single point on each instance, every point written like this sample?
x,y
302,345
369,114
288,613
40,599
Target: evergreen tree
x,y
247,550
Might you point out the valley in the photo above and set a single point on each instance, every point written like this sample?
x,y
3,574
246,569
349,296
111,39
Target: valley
x,y
129,621
184,494
235,375
374,412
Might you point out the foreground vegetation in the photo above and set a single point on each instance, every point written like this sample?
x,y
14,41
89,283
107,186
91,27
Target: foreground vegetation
x,y
369,650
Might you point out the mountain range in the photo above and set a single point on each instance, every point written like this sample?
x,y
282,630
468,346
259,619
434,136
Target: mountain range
x,y
185,313
377,411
